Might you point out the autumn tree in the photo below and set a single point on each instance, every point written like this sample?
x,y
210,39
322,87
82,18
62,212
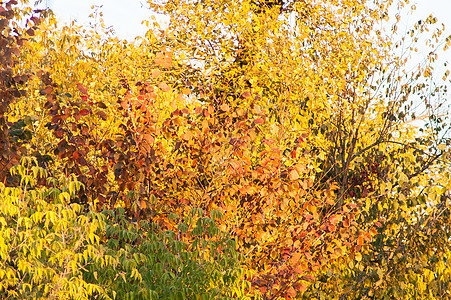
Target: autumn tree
x,y
53,247
294,120
12,37
324,70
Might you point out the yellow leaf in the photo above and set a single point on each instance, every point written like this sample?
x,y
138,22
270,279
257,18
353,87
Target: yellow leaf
x,y
358,257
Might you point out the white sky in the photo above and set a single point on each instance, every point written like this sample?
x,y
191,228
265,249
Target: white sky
x,y
124,15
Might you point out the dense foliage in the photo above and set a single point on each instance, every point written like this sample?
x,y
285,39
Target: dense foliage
x,y
251,149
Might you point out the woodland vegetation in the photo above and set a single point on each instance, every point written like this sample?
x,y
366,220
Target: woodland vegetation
x,y
249,150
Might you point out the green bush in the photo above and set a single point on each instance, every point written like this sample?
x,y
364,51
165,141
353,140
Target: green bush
x,y
52,248
156,264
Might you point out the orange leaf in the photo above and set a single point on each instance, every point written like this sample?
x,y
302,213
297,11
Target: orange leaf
x,y
186,91
360,240
205,126
300,168
295,258
302,287
330,201
149,138
164,87
167,62
47,90
246,95
308,278
225,107
124,104
335,219
156,73
291,292
187,136
293,175
346,222
236,165
143,204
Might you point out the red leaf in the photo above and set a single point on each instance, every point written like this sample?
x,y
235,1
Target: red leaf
x,y
102,199
35,20
84,112
102,115
85,130
30,32
258,121
81,89
59,133
46,90
55,119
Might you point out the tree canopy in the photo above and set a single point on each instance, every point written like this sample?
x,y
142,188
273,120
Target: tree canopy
x,y
250,150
